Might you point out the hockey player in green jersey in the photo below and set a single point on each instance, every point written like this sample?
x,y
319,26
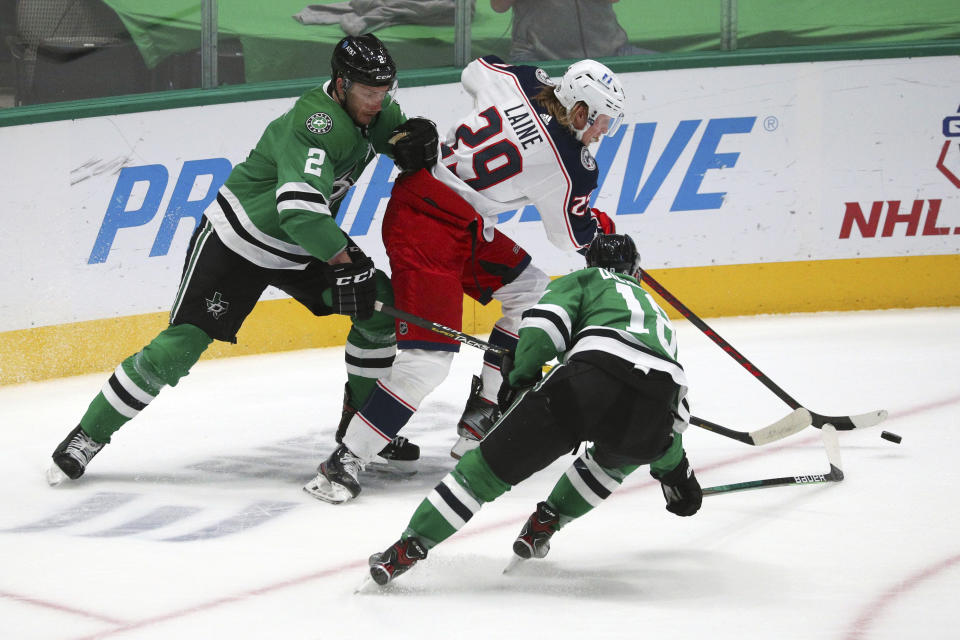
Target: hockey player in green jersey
x,y
619,386
273,224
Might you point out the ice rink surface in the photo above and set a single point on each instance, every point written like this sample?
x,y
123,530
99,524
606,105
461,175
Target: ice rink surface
x,y
192,523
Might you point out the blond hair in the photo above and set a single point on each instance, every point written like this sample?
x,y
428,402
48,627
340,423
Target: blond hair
x,y
547,98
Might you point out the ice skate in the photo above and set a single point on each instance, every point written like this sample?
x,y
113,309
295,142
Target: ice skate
x,y
336,480
402,555
534,538
478,418
399,456
71,457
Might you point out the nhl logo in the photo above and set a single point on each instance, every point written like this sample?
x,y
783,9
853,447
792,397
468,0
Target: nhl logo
x,y
319,123
402,328
586,158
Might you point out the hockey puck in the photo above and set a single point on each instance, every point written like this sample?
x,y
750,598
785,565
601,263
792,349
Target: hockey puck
x,y
892,437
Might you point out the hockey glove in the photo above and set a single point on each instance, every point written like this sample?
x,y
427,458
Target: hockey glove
x,y
354,287
507,393
604,222
681,489
415,144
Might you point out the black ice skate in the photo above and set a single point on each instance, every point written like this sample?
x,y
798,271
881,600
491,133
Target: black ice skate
x,y
402,555
71,457
336,479
478,418
534,538
399,450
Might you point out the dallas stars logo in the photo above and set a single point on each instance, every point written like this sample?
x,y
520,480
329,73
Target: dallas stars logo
x,y
217,306
319,123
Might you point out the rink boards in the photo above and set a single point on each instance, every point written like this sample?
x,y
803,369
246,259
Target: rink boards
x,y
757,189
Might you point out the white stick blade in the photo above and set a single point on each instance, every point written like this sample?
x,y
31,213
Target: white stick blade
x,y
869,419
794,422
829,435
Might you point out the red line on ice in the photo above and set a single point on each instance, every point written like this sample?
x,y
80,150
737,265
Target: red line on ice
x,y
59,607
869,615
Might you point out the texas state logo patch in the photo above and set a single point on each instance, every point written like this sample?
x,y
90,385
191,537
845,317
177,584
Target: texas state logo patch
x,y
319,123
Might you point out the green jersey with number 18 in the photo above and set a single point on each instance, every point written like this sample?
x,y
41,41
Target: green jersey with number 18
x,y
277,207
597,310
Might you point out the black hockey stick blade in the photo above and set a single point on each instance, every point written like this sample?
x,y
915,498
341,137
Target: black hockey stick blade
x,y
849,423
835,474
794,422
436,327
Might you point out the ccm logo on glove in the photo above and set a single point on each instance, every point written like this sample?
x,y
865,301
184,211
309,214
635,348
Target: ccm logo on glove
x,y
359,277
354,287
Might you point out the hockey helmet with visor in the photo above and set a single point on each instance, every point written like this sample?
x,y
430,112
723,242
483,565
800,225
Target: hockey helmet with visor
x,y
595,85
364,60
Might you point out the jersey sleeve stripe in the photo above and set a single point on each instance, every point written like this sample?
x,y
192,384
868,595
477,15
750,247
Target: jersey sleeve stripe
x,y
542,314
556,336
240,234
300,195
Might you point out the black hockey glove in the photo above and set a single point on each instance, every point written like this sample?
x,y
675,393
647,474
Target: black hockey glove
x,y
681,489
507,393
415,144
354,287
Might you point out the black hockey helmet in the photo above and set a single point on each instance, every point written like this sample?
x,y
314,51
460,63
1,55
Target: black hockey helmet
x,y
614,252
364,59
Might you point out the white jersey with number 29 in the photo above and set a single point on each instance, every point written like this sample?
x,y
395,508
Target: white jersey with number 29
x,y
509,152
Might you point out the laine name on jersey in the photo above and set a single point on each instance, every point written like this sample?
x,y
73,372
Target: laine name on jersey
x,y
523,125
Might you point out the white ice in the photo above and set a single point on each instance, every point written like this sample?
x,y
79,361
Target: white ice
x,y
192,523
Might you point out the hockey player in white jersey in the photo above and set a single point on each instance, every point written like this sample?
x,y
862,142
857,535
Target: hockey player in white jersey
x,y
526,141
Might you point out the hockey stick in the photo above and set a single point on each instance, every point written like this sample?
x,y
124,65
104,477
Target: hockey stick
x,y
436,327
795,421
843,423
834,474
829,436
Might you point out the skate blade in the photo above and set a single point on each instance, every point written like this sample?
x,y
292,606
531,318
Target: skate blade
x,y
55,475
397,467
462,446
367,586
515,562
322,489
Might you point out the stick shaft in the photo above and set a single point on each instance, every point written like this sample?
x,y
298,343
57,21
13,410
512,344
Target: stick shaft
x,y
719,340
843,423
788,425
828,435
436,327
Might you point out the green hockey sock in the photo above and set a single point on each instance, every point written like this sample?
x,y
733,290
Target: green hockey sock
x,y
584,486
139,378
370,349
452,503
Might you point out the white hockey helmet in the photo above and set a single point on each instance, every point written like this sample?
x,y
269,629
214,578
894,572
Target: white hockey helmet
x,y
596,85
